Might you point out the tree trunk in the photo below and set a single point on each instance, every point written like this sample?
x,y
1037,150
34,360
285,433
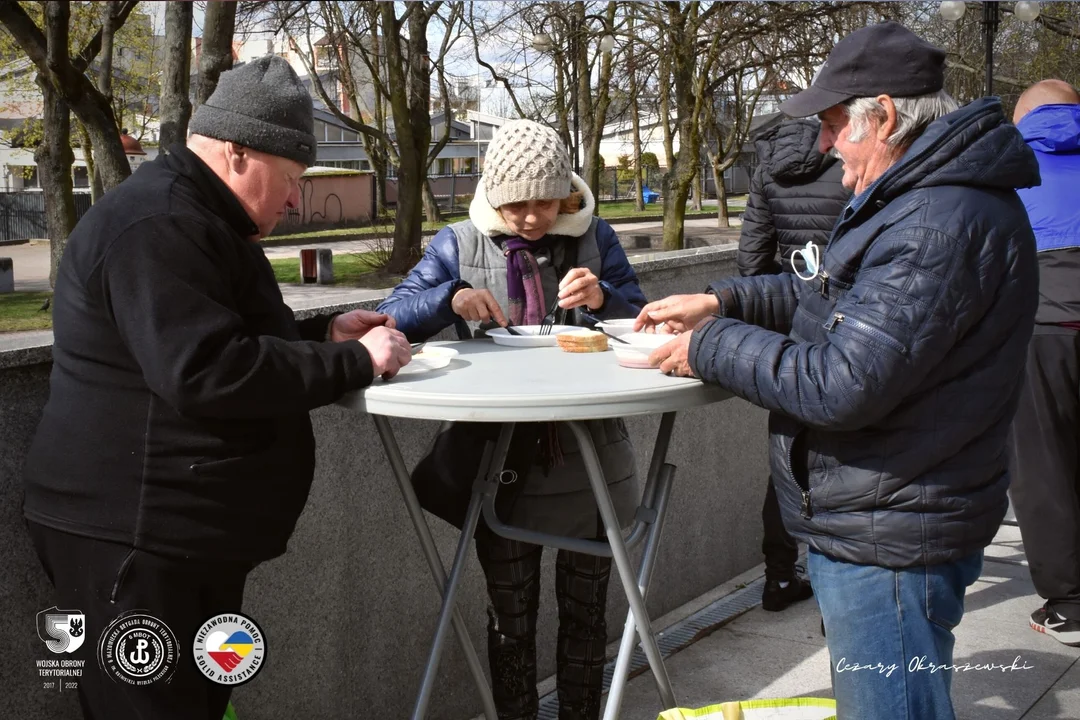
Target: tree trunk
x,y
108,30
596,117
54,159
176,78
216,55
635,122
680,178
722,220
109,159
409,102
431,204
91,167
698,191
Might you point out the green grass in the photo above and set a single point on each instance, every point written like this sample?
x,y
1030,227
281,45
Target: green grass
x,y
20,311
385,230
350,270
626,209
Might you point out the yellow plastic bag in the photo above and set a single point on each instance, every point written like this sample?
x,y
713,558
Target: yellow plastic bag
x,y
780,709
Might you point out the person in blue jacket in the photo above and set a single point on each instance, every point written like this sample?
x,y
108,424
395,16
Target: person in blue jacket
x,y
531,237
892,368
1045,463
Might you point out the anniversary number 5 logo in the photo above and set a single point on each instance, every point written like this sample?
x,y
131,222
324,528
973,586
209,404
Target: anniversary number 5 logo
x,y
62,631
138,649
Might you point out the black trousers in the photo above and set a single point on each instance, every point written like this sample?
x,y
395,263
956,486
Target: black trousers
x,y
1045,466
779,547
104,580
512,570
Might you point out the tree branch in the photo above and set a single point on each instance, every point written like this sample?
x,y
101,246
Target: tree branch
x,y
92,48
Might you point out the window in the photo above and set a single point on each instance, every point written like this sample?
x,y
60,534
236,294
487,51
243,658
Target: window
x,y
333,133
320,130
351,136
80,176
325,57
365,165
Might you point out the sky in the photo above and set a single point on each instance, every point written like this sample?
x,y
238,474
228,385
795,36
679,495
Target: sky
x,y
156,10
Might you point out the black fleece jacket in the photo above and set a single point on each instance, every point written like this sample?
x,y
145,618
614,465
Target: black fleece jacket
x,y
795,198
177,421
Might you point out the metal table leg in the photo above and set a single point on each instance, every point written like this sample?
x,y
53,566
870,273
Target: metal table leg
x,y
622,560
661,475
431,554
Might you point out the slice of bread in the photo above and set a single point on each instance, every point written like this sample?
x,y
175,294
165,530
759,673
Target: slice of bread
x,y
582,341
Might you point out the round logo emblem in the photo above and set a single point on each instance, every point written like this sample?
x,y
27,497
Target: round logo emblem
x,y
138,649
230,649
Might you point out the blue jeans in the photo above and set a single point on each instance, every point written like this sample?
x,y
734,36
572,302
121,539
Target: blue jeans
x,y
888,631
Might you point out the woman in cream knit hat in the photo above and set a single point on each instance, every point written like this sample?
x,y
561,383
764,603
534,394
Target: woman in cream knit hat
x,y
531,237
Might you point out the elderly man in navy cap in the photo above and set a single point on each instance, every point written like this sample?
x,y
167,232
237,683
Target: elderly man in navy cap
x,y
891,366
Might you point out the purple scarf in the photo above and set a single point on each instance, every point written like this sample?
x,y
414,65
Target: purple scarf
x,y
524,289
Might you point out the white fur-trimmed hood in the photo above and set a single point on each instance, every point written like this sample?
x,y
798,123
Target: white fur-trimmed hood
x,y
488,221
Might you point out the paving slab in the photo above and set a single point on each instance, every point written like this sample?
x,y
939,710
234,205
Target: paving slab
x,y
768,655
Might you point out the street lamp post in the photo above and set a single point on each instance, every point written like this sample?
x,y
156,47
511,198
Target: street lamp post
x,y
953,10
990,28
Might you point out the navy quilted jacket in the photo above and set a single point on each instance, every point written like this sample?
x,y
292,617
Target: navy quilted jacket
x,y
893,377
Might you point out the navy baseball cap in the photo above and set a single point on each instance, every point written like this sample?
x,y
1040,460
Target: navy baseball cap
x,y
883,59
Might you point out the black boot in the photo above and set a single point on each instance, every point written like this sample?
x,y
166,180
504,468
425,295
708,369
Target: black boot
x,y
512,659
581,589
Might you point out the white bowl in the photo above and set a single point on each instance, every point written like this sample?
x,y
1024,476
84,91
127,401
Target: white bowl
x,y
618,327
635,354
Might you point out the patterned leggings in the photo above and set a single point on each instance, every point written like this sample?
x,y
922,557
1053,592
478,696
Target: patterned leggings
x,y
512,570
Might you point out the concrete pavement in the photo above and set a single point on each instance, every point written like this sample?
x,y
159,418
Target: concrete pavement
x,y
31,265
776,655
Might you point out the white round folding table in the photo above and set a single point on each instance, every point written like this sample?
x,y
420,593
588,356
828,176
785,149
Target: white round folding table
x,y
486,382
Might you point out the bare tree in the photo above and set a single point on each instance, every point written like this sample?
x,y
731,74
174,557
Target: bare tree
x,y
215,54
401,74
54,159
176,78
65,86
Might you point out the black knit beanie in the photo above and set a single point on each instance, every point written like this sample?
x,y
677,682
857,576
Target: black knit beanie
x,y
261,105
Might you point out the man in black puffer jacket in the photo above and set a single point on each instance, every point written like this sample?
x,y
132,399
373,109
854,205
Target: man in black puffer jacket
x,y
795,198
893,372
175,452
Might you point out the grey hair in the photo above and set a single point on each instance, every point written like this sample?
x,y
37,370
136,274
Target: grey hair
x,y
913,115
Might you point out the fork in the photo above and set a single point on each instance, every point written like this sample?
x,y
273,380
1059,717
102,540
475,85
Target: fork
x,y
545,326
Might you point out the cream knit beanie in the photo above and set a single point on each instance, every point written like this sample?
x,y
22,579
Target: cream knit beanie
x,y
526,161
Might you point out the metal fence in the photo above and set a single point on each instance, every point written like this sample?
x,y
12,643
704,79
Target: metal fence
x,y
22,214
614,185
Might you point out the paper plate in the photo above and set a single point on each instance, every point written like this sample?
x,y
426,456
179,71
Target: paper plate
x,y
528,336
432,357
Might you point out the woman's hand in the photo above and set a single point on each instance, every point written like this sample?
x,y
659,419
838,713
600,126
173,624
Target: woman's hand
x,y
481,305
580,287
